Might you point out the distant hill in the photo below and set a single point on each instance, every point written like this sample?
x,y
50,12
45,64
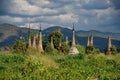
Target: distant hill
x,y
9,33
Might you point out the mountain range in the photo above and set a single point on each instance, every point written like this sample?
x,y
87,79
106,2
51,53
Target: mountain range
x,y
9,33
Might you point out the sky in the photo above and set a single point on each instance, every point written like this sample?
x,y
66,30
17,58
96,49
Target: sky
x,y
102,15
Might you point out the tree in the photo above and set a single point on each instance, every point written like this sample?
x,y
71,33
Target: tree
x,y
50,50
92,50
57,38
20,46
114,49
80,48
65,48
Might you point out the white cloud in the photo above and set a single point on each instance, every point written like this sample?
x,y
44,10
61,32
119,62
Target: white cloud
x,y
22,7
10,19
88,14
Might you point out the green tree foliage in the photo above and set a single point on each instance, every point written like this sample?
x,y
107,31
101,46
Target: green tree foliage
x,y
114,49
92,50
81,49
57,37
65,48
20,46
50,50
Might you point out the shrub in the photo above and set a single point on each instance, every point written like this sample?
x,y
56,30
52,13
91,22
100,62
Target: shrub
x,y
20,46
57,38
81,49
114,49
65,48
50,50
92,50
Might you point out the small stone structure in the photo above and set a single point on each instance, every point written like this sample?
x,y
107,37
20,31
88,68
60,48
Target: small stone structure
x,y
90,40
40,47
73,49
29,37
109,45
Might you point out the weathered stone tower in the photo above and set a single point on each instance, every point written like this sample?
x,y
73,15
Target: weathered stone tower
x,y
29,37
21,34
90,40
40,47
109,45
59,31
51,42
73,49
66,40
34,41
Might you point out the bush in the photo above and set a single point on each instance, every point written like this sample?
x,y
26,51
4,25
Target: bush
x,y
81,49
20,46
92,50
65,48
57,38
50,50
114,49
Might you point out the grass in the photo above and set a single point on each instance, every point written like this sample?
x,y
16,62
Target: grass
x,y
59,67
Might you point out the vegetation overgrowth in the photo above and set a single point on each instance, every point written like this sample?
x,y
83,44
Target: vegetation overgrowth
x,y
36,66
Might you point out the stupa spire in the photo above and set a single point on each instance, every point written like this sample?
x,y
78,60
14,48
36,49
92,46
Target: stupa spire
x,y
66,40
40,47
29,37
34,41
109,45
88,41
73,49
51,42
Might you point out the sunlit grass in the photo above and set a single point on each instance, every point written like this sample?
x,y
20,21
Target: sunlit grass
x,y
37,66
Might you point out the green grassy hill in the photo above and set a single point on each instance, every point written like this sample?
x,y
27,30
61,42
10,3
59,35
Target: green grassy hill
x,y
59,67
9,33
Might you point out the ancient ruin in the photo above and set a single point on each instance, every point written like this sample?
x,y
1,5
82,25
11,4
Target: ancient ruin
x,y
90,40
40,47
109,45
73,49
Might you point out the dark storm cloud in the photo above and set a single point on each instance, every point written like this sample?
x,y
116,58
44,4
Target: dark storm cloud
x,y
115,4
89,14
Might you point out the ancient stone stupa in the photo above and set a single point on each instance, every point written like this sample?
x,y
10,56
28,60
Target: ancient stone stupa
x,y
109,45
29,37
73,49
66,40
40,47
51,42
90,40
34,41
59,31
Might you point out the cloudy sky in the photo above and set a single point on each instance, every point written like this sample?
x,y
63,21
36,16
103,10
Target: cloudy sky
x,y
102,15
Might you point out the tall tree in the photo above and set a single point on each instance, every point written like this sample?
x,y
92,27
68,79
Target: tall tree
x,y
57,38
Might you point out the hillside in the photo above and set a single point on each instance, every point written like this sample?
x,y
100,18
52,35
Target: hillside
x,y
9,33
59,67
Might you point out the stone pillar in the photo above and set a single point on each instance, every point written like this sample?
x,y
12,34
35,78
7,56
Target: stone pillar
x,y
91,40
88,41
29,37
60,44
66,40
109,45
59,29
52,45
73,49
34,41
40,47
